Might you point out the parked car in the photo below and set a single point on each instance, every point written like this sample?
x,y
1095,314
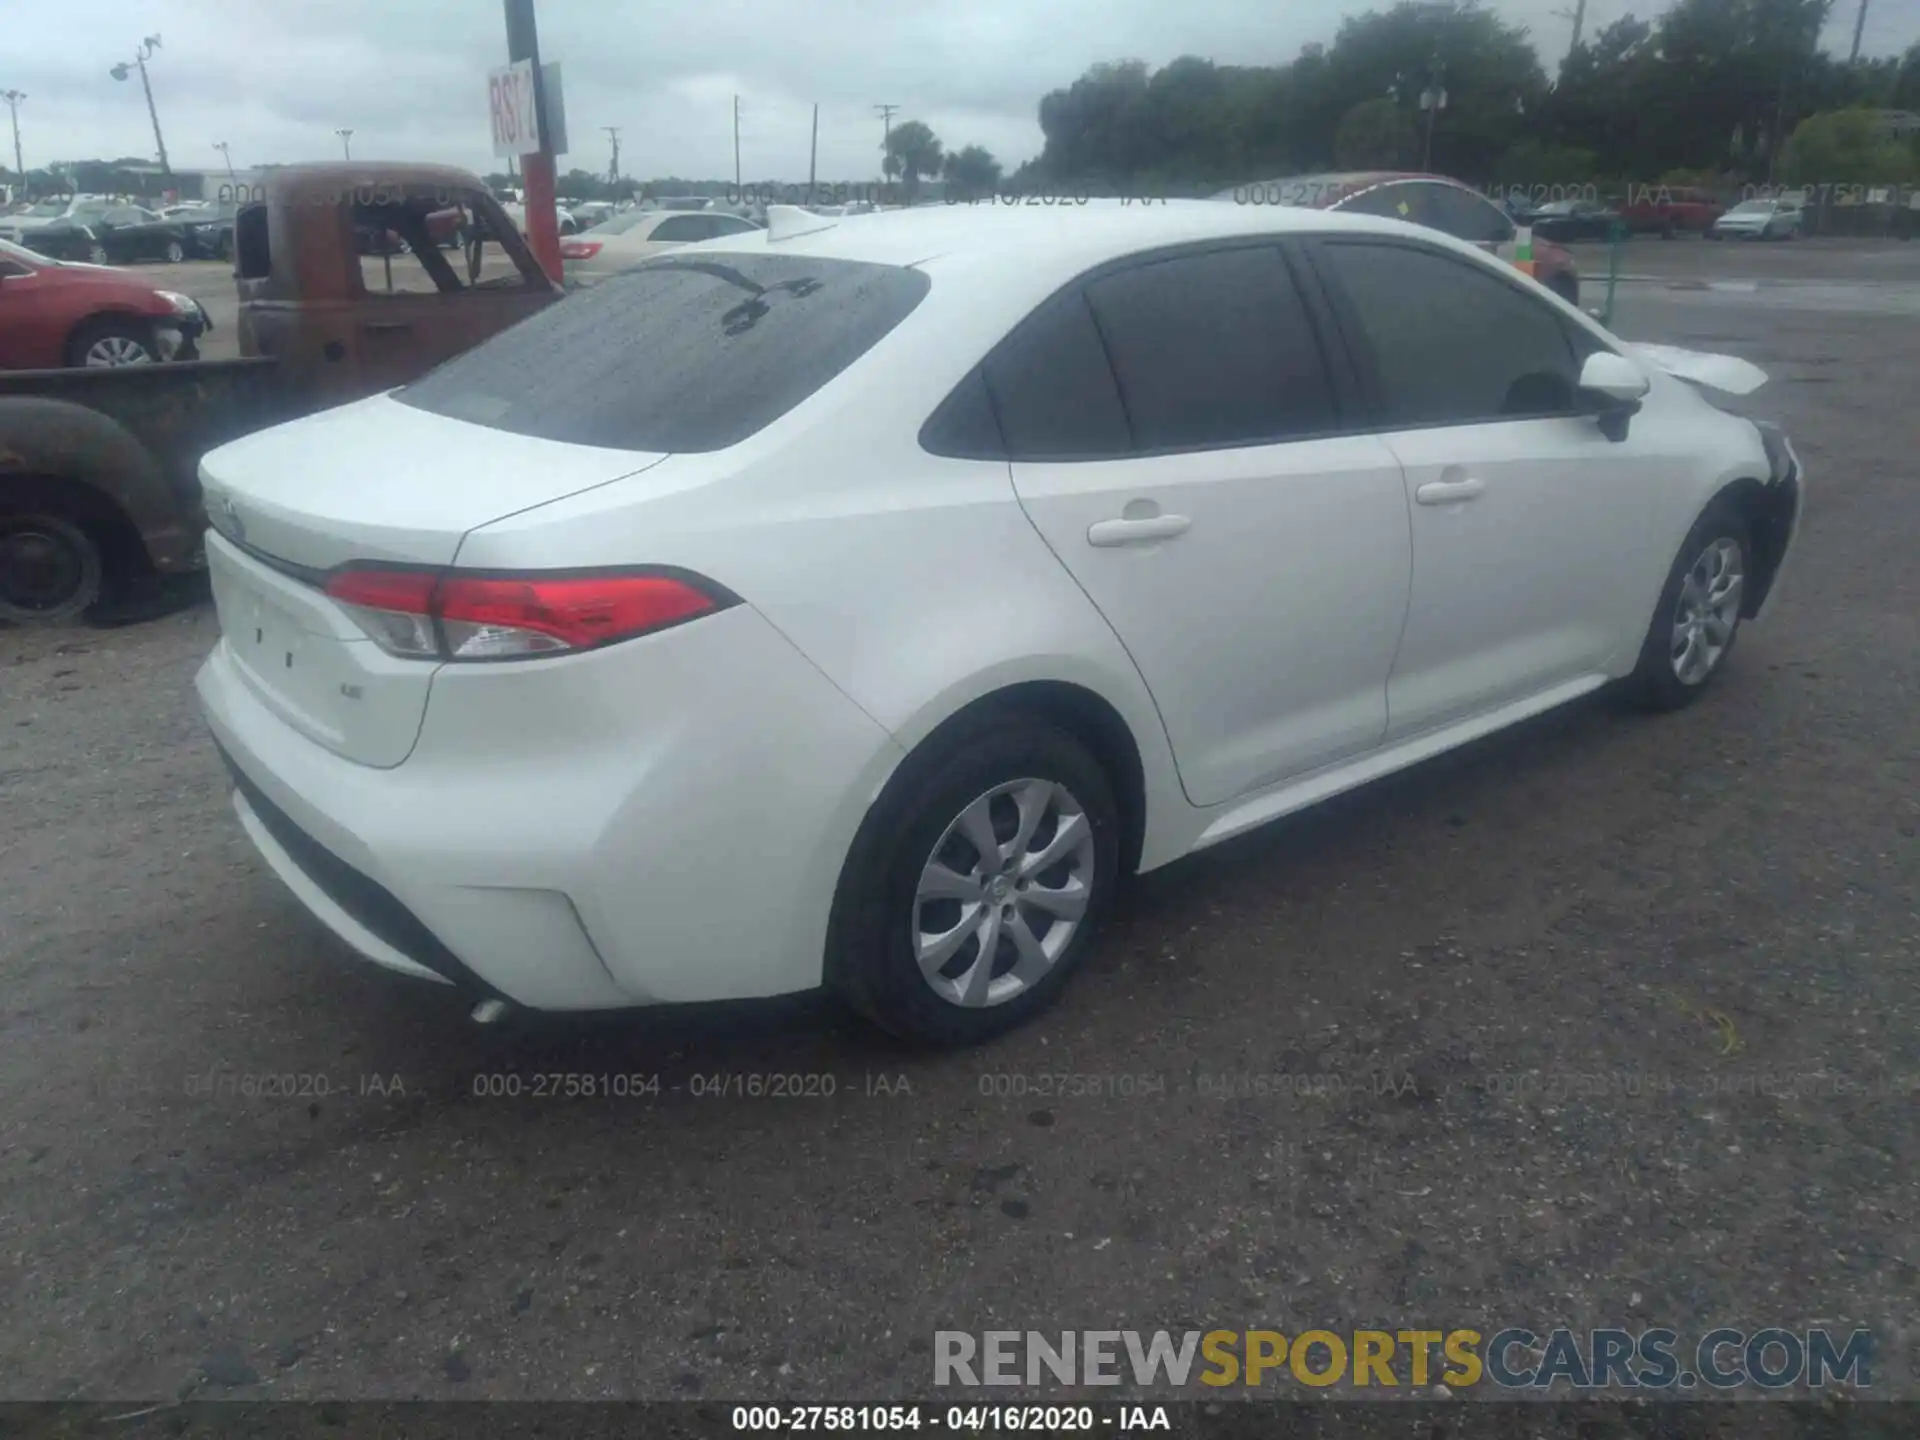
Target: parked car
x,y
17,226
102,465
1431,200
1242,521
568,224
55,313
105,233
591,213
627,239
1568,221
1670,210
1758,220
209,231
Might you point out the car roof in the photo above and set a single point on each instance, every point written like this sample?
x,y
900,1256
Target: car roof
x,y
1026,240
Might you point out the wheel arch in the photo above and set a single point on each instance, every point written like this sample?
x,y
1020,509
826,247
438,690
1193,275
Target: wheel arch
x,y
1768,511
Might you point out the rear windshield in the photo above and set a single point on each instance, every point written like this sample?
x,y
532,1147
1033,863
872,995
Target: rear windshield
x,y
682,354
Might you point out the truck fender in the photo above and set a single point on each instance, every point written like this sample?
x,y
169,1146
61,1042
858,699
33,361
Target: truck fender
x,y
53,444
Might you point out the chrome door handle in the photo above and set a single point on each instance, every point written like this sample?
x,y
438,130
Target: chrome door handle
x,y
1449,492
1106,533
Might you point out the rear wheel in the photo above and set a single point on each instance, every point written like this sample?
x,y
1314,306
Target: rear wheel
x,y
97,254
977,882
51,569
1697,619
113,341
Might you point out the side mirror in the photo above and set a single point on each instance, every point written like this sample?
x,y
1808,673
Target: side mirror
x,y
1613,387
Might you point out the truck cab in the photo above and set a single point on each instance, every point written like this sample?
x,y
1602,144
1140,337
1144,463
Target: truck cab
x,y
344,316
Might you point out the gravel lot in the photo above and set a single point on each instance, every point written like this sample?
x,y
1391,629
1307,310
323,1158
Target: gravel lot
x,y
1653,982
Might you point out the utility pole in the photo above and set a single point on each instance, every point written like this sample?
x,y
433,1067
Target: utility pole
x,y
1859,28
1578,15
346,142
536,167
886,135
123,69
613,165
13,99
813,151
736,145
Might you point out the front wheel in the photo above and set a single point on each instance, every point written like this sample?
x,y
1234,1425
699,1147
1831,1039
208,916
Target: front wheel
x,y
1697,618
51,569
112,342
97,254
976,883
176,252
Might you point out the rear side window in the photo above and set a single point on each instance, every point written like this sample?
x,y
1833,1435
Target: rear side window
x,y
252,254
1053,389
1449,343
677,354
1214,350
684,227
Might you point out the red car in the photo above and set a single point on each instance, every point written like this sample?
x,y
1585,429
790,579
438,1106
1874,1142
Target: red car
x,y
1669,210
1430,200
55,313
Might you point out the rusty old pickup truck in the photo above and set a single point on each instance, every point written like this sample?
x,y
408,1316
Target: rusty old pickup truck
x,y
99,468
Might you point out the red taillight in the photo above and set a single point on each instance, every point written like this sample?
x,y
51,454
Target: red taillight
x,y
448,615
579,249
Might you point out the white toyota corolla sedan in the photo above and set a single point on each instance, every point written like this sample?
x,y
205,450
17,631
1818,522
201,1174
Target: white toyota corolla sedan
x,y
858,601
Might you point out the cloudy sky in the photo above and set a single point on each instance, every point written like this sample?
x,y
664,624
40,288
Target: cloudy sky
x,y
277,78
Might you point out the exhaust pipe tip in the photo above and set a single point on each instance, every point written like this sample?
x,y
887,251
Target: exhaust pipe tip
x,y
488,1011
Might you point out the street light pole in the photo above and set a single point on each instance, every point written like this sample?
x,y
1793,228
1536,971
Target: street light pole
x,y
13,99
226,155
123,69
346,142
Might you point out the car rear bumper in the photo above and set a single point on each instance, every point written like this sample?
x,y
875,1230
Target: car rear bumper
x,y
659,821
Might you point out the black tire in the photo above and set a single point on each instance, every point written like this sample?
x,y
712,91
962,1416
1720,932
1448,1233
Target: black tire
x,y
870,947
111,327
51,569
1654,684
176,252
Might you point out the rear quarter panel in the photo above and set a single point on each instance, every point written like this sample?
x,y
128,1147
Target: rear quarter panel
x,y
914,582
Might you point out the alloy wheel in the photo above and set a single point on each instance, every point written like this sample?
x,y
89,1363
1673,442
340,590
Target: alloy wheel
x,y
118,350
1707,611
1003,893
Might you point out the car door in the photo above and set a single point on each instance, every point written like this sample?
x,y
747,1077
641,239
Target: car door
x,y
1527,520
125,233
32,320
1177,437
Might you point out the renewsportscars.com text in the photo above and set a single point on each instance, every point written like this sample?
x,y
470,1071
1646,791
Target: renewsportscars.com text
x,y
1510,1359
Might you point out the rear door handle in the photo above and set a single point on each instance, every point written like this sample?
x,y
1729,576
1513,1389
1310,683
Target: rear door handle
x,y
1449,492
1107,533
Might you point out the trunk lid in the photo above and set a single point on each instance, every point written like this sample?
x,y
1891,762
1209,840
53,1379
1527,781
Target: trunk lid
x,y
375,480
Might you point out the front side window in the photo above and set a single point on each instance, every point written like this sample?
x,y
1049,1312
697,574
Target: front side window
x,y
1465,216
1213,350
1449,343
749,338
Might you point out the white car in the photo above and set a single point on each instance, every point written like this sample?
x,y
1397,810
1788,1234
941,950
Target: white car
x,y
1758,220
632,236
859,602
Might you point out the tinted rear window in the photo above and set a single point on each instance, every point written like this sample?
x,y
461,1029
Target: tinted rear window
x,y
681,355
